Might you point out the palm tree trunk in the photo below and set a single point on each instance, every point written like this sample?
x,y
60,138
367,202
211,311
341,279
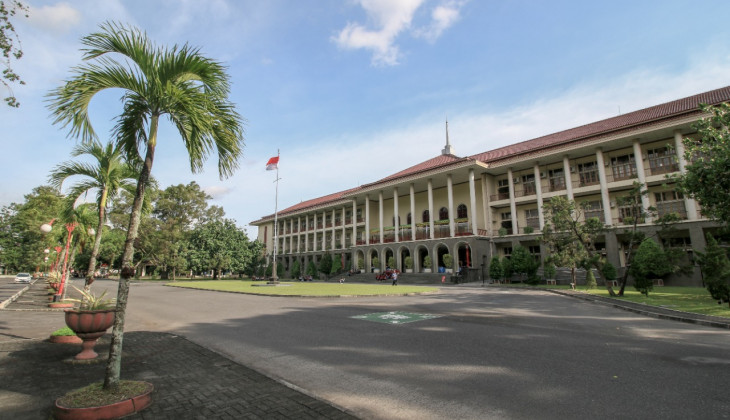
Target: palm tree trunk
x,y
97,241
114,364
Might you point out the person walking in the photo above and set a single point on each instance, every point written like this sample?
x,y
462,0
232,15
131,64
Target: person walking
x,y
395,278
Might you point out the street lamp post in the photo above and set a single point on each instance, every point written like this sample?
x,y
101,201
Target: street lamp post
x,y
46,228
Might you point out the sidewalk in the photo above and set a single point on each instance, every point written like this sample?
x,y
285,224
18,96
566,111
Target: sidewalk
x,y
191,382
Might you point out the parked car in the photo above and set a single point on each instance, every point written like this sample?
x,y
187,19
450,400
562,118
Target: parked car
x,y
22,278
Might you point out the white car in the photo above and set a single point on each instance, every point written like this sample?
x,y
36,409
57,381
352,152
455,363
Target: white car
x,y
23,278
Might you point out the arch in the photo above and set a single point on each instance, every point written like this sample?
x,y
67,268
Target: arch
x,y
403,253
373,253
440,250
408,219
462,212
420,253
387,253
426,216
359,255
443,213
463,255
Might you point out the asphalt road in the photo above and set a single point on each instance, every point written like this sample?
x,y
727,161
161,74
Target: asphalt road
x,y
491,354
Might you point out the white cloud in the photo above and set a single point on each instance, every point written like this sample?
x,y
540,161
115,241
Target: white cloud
x,y
443,17
60,17
217,191
390,18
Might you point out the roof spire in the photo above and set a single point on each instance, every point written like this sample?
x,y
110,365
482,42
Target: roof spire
x,y
448,149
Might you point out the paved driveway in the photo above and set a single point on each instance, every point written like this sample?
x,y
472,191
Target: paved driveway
x,y
491,353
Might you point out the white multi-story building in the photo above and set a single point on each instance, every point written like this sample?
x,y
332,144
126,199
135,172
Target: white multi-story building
x,y
482,205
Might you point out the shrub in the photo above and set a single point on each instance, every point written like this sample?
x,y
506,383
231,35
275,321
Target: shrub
x,y
391,262
590,279
448,261
408,262
427,263
495,269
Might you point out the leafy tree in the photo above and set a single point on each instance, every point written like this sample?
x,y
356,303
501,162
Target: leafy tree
x,y
178,83
218,245
495,269
10,46
311,269
570,238
590,279
707,178
325,264
549,270
649,263
108,175
21,241
507,270
296,269
715,268
524,263
336,265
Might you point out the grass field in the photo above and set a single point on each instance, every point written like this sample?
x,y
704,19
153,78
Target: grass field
x,y
305,288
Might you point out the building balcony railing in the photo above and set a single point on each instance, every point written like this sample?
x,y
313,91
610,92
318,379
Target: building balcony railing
x,y
674,206
622,172
462,229
587,178
499,196
661,167
441,231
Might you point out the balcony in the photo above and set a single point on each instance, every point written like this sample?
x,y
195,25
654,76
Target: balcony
x,y
674,206
661,166
587,178
620,172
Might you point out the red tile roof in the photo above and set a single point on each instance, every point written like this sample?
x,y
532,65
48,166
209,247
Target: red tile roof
x,y
655,113
651,114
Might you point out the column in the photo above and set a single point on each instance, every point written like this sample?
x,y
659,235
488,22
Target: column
x,y
639,159
396,223
450,194
306,233
380,215
430,210
324,231
512,204
354,222
342,237
538,192
568,178
413,213
605,197
367,219
485,202
689,203
334,228
472,203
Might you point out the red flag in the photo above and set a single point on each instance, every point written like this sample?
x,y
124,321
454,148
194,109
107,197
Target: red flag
x,y
273,163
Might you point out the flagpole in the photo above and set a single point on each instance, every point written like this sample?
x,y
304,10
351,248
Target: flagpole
x,y
274,277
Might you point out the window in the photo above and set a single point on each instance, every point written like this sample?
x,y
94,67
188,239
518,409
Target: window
x,y
502,189
528,184
443,213
588,173
461,211
507,222
557,179
408,219
426,217
594,209
668,202
662,161
623,167
533,218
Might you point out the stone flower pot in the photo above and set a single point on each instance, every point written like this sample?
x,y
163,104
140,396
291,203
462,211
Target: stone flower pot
x,y
89,326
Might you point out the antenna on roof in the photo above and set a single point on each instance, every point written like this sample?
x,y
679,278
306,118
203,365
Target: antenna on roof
x,y
447,150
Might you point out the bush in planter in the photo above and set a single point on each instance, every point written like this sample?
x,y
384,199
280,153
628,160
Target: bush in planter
x,y
528,229
408,262
375,263
427,263
360,263
391,262
448,261
502,231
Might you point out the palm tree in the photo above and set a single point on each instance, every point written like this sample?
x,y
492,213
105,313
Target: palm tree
x,y
178,83
108,175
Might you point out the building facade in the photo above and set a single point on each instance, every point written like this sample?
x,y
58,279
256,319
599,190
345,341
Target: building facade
x,y
483,205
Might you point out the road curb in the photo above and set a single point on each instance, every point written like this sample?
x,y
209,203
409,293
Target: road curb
x,y
13,298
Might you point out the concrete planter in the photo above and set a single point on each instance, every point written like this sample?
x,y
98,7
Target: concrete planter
x,y
89,325
111,411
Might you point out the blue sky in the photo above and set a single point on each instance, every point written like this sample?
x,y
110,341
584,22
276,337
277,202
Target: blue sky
x,y
351,91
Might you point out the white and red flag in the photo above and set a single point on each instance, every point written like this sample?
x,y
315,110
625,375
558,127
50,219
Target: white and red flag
x,y
273,163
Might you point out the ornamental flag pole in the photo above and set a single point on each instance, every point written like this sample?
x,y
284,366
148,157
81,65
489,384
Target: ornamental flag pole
x,y
273,164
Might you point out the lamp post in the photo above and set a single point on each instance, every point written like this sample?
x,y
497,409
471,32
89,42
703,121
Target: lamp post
x,y
58,254
45,260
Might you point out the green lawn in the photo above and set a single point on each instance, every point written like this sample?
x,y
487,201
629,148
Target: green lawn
x,y
687,299
304,288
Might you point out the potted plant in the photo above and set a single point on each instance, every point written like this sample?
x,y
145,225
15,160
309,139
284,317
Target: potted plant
x,y
64,336
360,264
376,265
448,263
94,315
409,264
427,264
